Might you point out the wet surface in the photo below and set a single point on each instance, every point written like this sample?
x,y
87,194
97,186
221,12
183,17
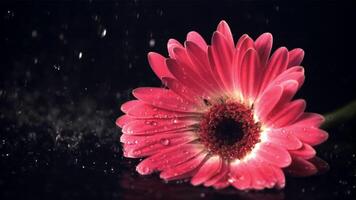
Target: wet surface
x,y
67,67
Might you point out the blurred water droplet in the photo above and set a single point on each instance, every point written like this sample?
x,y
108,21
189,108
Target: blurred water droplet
x,y
34,33
103,33
152,42
57,67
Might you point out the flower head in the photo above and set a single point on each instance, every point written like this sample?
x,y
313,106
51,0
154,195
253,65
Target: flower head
x,y
226,115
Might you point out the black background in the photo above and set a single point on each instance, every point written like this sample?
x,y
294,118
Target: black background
x,y
58,137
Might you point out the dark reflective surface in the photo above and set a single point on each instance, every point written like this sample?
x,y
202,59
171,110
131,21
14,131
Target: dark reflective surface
x,y
67,67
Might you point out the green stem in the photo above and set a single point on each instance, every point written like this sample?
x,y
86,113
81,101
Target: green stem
x,y
340,115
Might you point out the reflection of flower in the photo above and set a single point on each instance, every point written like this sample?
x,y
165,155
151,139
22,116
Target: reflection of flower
x,y
149,187
226,116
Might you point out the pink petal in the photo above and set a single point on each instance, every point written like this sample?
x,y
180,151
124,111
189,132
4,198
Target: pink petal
x,y
172,43
267,101
182,58
182,90
208,169
169,158
295,57
276,65
179,170
250,75
153,126
141,141
220,57
305,152
128,105
121,121
164,98
290,88
281,180
263,46
140,146
309,120
242,40
218,176
222,183
141,110
197,39
189,69
240,175
258,181
188,78
268,172
295,73
310,135
301,167
199,58
224,28
284,139
273,154
287,115
244,43
158,65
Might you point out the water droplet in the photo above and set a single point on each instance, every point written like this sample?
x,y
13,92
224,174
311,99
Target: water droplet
x,y
152,42
144,170
164,141
34,33
152,123
57,67
136,152
103,33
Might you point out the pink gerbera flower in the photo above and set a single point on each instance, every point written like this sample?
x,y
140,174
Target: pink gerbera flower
x,y
225,116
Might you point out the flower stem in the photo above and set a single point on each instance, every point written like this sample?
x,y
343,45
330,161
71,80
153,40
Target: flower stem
x,y
340,115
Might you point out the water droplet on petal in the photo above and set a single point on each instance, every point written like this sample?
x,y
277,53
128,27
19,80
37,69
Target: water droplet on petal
x,y
164,141
136,152
153,123
143,169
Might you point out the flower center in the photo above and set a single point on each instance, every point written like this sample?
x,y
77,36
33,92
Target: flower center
x,y
229,130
